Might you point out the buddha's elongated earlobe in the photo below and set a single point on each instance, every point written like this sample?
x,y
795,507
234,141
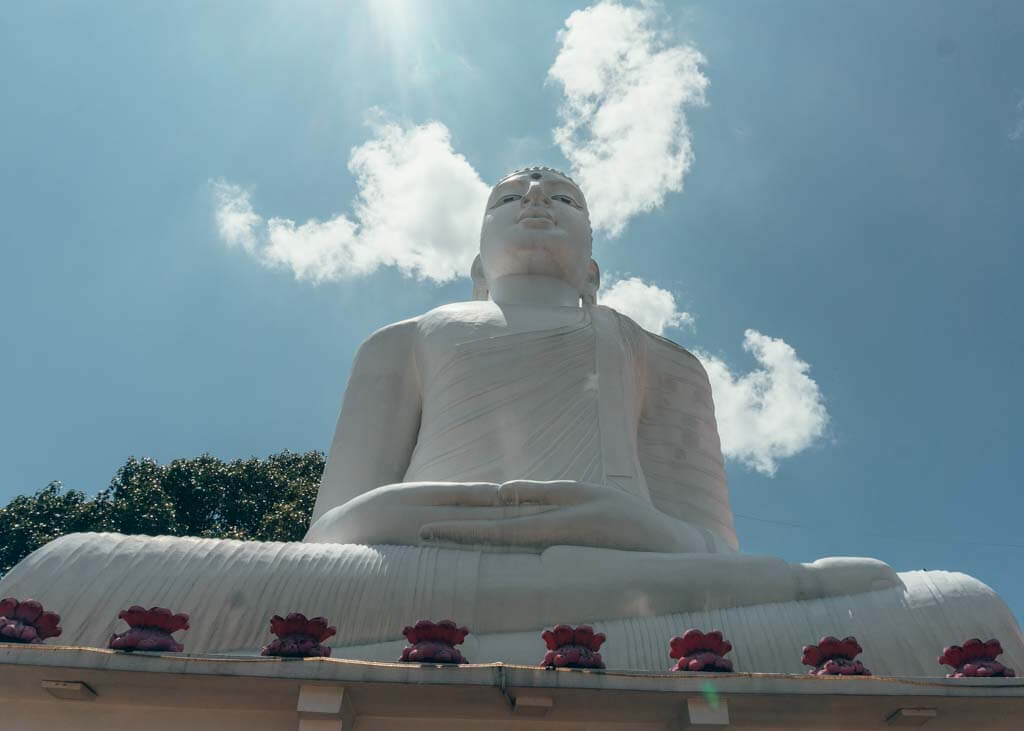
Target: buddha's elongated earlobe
x,y
476,272
593,283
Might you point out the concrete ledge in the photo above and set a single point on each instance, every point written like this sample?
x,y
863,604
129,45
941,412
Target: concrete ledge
x,y
494,674
168,691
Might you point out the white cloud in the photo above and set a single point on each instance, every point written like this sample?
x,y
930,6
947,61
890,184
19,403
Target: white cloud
x,y
623,128
237,223
652,307
770,413
418,208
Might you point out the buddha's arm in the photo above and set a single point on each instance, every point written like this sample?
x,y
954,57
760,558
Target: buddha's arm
x,y
379,420
678,445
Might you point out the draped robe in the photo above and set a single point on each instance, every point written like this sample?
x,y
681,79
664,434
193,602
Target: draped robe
x,y
599,400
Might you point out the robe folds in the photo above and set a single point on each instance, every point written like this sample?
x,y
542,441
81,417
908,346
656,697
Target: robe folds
x,y
600,400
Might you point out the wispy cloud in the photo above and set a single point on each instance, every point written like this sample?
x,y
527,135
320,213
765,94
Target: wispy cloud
x,y
624,127
418,208
237,223
770,413
652,307
1017,132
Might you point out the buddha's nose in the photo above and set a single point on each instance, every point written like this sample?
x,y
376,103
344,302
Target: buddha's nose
x,y
535,195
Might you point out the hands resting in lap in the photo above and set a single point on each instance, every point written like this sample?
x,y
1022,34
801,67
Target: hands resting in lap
x,y
521,515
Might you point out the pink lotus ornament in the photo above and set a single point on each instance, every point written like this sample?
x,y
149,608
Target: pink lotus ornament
x,y
430,642
26,623
976,659
832,656
700,653
572,647
298,636
149,630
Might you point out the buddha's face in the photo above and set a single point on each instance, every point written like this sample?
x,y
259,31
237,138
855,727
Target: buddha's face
x,y
536,223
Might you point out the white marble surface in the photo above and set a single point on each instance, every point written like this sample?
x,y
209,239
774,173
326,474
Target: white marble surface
x,y
589,398
767,608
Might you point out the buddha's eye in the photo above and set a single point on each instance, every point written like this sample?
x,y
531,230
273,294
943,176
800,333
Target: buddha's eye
x,y
507,199
565,199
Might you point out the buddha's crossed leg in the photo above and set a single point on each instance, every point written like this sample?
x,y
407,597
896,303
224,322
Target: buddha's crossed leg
x,y
521,515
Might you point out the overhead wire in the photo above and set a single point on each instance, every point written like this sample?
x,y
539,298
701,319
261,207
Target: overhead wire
x,y
888,536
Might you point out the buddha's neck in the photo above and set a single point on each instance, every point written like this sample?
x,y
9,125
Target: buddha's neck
x,y
533,289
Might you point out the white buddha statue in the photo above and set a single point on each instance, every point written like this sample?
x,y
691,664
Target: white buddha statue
x,y
522,420
520,460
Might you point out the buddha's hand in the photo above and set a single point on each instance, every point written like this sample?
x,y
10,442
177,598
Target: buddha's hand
x,y
538,515
522,515
395,514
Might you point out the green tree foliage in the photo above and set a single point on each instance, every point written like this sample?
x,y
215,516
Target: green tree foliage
x,y
255,499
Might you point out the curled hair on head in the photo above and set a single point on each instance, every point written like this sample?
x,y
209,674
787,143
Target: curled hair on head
x,y
539,169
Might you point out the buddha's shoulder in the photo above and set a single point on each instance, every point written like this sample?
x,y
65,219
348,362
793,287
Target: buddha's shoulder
x,y
455,314
459,314
662,352
657,346
670,349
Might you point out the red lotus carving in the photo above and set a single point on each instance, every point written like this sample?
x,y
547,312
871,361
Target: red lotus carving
x,y
700,653
149,630
833,656
976,659
434,642
26,622
573,647
298,636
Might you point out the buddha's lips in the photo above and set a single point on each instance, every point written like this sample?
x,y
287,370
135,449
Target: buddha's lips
x,y
534,214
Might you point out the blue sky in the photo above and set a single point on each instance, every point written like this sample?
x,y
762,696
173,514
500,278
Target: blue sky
x,y
856,191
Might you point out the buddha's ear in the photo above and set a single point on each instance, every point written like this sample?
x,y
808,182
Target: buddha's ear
x,y
593,283
476,272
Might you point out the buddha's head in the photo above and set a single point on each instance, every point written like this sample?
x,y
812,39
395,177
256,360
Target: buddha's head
x,y
536,222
